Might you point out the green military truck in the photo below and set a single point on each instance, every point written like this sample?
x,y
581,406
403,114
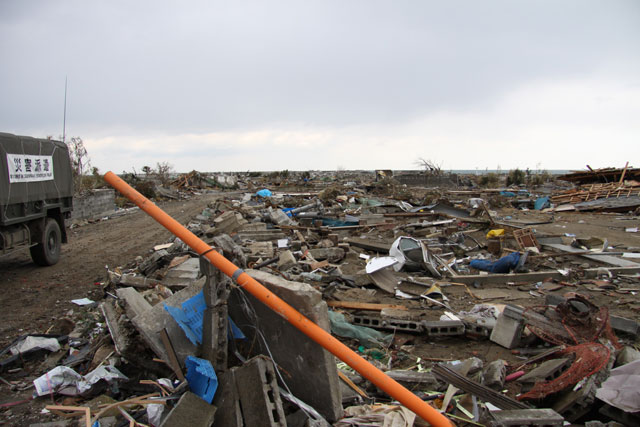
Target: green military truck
x,y
36,196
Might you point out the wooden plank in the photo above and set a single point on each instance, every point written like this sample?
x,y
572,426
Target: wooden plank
x,y
356,305
506,278
171,353
606,259
369,245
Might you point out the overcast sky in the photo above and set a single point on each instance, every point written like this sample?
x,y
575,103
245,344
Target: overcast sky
x,y
272,85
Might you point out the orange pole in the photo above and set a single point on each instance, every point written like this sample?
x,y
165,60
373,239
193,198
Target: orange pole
x,y
290,314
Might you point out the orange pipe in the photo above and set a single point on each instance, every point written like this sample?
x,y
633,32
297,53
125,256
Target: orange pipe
x,y
289,313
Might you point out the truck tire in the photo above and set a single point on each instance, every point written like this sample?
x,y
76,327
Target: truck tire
x,y
47,251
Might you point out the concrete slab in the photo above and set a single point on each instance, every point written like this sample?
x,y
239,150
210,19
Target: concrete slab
x,y
312,373
526,417
184,274
151,322
190,410
134,303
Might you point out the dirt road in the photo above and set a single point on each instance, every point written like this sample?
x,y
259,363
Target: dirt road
x,y
32,297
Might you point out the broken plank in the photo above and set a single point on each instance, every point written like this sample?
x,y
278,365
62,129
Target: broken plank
x,y
604,258
506,278
369,245
356,305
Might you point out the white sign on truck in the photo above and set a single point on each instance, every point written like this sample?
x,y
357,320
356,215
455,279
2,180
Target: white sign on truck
x,y
29,168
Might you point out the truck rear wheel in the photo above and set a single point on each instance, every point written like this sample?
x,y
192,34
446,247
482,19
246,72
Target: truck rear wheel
x,y
47,251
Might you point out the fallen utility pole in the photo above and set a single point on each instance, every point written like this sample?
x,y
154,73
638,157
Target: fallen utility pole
x,y
290,314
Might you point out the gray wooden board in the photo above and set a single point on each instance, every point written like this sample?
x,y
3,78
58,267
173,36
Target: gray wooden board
x,y
606,259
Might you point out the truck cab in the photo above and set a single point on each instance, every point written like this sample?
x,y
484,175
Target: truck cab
x,y
36,196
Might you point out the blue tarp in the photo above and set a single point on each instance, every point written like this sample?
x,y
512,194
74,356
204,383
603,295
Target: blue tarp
x,y
189,316
503,265
541,203
264,193
202,378
508,194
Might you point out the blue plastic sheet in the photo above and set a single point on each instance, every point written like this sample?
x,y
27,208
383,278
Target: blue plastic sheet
x,y
190,316
264,193
202,378
503,265
541,203
508,194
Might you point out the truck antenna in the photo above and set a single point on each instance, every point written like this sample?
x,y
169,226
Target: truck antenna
x,y
64,118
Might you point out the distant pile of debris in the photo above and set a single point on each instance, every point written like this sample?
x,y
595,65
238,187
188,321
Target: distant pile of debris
x,y
406,287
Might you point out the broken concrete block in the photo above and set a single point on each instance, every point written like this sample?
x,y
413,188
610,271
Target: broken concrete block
x,y
508,329
226,223
386,323
119,337
227,400
259,394
547,371
627,355
627,326
192,410
411,379
261,236
333,255
184,274
494,374
526,417
304,360
286,260
153,262
278,217
151,322
573,404
442,328
230,249
261,249
134,302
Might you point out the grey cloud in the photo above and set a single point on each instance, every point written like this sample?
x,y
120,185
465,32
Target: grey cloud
x,y
210,66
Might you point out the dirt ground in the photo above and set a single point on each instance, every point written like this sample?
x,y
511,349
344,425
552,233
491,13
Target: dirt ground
x,y
33,297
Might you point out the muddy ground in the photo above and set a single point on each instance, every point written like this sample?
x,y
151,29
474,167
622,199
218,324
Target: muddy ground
x,y
33,297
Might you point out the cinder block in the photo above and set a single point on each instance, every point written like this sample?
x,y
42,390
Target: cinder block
x,y
508,329
443,328
259,394
547,371
477,329
387,323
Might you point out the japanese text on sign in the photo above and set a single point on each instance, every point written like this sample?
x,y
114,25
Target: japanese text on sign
x,y
28,168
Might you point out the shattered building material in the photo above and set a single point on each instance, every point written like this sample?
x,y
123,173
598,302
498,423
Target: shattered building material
x,y
190,407
508,328
321,336
153,321
277,337
526,418
257,387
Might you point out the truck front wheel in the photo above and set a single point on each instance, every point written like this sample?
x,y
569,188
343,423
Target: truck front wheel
x,y
47,251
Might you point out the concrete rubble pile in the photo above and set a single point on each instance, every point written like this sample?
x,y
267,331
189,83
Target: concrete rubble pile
x,y
482,315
